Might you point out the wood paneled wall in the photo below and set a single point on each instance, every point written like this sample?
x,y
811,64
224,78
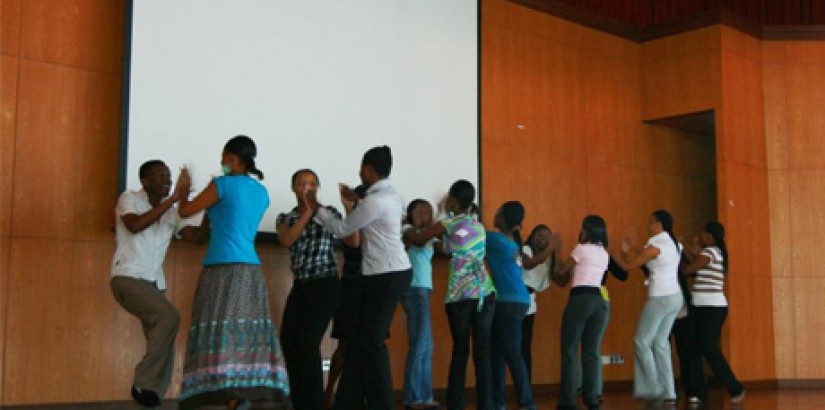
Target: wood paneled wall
x,y
562,132
793,73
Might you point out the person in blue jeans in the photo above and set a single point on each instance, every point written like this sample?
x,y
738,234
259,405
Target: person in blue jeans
x,y
512,302
418,380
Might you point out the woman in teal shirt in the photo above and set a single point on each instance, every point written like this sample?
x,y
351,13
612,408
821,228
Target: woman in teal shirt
x,y
232,356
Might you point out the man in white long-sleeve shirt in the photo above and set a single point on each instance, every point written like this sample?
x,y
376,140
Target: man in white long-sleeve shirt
x,y
386,270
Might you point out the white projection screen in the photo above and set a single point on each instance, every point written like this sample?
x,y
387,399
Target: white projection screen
x,y
314,83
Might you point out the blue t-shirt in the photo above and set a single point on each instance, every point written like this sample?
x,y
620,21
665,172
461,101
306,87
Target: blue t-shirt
x,y
503,258
235,219
421,259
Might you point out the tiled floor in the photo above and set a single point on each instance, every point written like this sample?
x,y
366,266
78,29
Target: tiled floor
x,y
785,399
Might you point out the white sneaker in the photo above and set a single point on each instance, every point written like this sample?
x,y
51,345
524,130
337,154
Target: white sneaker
x,y
694,400
739,398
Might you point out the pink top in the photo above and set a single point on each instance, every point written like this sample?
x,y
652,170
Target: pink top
x,y
591,263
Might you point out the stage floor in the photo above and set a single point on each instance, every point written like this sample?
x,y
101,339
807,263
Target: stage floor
x,y
770,399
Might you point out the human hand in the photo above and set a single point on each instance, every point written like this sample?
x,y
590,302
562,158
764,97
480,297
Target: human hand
x,y
183,186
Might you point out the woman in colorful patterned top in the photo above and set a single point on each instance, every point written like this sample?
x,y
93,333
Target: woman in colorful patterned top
x,y
233,356
470,294
315,294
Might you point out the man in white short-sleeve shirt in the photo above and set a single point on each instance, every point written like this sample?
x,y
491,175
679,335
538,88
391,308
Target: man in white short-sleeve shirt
x,y
146,220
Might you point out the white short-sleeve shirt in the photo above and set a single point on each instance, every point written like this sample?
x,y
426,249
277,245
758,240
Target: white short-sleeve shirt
x,y
664,268
537,278
140,255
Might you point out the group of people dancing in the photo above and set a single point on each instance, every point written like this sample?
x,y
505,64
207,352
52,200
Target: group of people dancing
x,y
234,356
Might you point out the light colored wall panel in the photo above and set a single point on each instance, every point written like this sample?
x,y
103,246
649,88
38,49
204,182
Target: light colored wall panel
x,y
810,362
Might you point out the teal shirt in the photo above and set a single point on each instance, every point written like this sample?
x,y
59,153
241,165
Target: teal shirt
x,y
235,219
421,258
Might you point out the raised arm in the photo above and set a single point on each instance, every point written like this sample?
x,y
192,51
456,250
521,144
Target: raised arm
x,y
205,199
136,223
421,238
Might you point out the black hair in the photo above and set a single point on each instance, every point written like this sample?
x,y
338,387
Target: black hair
x,y
666,219
464,193
513,214
717,231
245,149
411,208
360,190
595,230
307,170
147,166
535,232
380,159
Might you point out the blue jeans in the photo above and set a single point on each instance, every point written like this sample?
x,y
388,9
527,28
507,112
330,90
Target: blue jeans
x,y
506,348
418,370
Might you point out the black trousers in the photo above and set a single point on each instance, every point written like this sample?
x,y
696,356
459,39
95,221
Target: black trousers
x,y
707,324
309,309
527,343
367,363
467,321
685,342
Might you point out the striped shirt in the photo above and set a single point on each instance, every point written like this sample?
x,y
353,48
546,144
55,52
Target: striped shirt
x,y
710,280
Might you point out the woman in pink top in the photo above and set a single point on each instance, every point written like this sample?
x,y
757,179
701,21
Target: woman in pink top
x,y
584,315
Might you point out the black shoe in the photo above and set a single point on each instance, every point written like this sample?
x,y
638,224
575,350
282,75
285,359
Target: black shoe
x,y
145,398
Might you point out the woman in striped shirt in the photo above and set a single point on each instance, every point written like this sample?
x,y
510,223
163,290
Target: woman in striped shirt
x,y
708,313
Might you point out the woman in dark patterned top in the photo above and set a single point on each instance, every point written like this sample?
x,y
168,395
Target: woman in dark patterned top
x,y
315,294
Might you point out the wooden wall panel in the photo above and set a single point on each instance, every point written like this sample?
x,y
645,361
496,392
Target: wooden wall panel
x,y
682,85
805,119
750,325
808,227
68,328
68,132
781,209
810,363
8,128
741,124
10,13
84,34
4,289
775,80
804,52
784,319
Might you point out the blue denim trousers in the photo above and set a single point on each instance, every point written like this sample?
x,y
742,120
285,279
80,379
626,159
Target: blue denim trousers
x,y
418,369
506,349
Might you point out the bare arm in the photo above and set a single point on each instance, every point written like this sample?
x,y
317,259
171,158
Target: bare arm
x,y
136,223
421,238
625,262
699,262
205,199
562,274
537,259
287,235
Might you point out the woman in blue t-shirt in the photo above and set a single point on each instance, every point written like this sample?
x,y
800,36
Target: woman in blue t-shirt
x,y
418,368
512,302
232,356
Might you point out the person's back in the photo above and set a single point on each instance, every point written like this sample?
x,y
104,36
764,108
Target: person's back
x,y
465,241
235,219
507,274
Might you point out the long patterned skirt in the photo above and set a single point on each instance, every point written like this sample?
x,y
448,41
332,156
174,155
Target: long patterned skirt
x,y
233,350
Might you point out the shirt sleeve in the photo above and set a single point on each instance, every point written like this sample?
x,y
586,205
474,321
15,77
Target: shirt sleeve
x,y
220,185
335,212
366,212
126,205
577,253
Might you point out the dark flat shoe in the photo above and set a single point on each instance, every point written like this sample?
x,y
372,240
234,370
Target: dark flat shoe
x,y
145,398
